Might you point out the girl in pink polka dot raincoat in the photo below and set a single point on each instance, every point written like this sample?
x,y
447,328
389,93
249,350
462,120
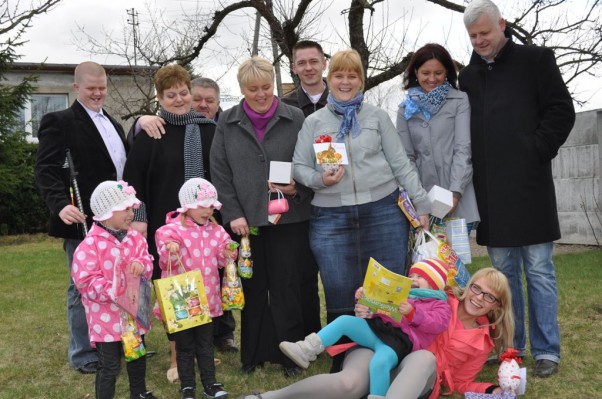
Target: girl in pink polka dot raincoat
x,y
201,244
111,247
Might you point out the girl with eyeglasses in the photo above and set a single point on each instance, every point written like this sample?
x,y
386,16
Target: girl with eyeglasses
x,y
481,319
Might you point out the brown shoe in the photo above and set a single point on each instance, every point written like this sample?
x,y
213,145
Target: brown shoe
x,y
227,345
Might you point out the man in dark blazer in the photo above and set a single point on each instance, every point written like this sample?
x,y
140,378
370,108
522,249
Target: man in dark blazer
x,y
98,149
521,113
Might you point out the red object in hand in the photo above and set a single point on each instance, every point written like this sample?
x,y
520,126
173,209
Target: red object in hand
x,y
324,139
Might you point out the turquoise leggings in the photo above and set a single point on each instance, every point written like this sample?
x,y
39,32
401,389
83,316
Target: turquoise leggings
x,y
358,330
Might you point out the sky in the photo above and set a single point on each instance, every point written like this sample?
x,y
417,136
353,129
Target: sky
x,y
52,36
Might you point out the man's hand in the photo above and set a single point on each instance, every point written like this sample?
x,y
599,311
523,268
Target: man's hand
x,y
70,214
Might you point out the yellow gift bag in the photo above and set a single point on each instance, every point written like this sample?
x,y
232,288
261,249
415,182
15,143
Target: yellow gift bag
x,y
182,300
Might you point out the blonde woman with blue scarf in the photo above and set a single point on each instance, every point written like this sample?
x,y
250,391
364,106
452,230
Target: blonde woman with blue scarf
x,y
354,210
434,125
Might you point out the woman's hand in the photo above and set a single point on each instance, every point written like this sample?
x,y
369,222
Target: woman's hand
x,y
456,200
363,311
359,293
135,268
331,179
287,189
240,226
152,125
424,221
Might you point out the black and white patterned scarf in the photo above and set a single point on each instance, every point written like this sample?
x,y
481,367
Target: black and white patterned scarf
x,y
193,148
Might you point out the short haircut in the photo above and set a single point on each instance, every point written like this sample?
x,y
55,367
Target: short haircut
x,y
347,60
170,76
88,68
206,83
305,44
255,68
425,53
477,7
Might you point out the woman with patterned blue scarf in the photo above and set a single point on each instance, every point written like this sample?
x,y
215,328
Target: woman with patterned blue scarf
x,y
434,125
354,209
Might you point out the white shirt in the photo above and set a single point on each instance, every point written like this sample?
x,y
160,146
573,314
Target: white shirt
x,y
111,138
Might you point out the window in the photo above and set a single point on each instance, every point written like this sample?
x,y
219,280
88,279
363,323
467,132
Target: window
x,y
36,107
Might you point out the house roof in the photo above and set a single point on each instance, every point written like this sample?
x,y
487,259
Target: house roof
x,y
124,70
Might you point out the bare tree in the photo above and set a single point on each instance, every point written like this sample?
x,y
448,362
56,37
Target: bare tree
x,y
15,18
576,37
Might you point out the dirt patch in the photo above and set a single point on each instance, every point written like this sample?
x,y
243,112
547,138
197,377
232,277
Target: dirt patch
x,y
478,250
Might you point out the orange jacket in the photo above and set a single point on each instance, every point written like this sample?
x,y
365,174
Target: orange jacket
x,y
460,355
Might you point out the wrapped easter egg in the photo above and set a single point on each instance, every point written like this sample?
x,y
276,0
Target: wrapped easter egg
x,y
508,374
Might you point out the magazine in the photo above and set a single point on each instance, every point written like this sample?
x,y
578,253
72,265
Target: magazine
x,y
384,290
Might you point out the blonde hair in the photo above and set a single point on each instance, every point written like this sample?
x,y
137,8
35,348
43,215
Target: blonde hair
x,y
255,68
88,68
170,76
501,318
347,60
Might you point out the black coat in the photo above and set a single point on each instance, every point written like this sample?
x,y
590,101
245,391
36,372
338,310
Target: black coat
x,y
74,129
521,113
298,98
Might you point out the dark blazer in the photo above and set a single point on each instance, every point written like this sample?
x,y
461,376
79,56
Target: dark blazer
x,y
74,129
298,98
521,113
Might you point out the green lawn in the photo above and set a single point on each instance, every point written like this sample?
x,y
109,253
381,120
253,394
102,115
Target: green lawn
x,y
33,333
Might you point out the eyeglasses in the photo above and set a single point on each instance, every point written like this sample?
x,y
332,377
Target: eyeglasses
x,y
487,296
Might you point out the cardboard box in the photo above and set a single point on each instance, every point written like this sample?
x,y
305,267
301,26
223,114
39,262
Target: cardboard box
x,y
281,172
442,201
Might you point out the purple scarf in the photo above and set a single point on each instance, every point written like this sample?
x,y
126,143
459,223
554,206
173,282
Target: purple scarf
x,y
260,121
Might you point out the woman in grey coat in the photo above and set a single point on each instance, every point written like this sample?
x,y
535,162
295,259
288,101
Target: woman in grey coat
x,y
434,125
258,130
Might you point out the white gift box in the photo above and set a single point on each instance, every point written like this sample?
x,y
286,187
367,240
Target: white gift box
x,y
442,201
281,172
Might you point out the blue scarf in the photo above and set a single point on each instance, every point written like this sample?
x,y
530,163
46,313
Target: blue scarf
x,y
417,293
349,111
428,103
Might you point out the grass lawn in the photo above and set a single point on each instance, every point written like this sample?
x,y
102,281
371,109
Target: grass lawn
x,y
34,337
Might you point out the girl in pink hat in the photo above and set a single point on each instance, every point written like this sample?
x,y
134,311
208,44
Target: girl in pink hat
x,y
191,234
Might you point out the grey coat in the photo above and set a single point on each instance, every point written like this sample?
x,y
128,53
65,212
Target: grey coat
x,y
240,164
440,150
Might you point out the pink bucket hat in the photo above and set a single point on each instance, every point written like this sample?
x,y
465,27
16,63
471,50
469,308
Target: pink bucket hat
x,y
110,196
198,192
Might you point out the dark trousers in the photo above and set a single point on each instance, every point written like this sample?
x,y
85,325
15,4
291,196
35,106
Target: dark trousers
x,y
272,312
109,364
310,299
195,343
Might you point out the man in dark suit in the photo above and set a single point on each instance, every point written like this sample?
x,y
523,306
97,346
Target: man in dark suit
x,y
98,149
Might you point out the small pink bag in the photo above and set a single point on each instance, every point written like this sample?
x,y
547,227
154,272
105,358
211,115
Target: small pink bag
x,y
278,205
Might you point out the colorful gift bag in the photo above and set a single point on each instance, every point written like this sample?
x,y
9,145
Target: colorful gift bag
x,y
133,347
457,237
503,395
182,300
232,294
433,248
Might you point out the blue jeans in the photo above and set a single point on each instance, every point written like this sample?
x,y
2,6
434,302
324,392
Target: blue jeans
x,y
80,351
344,238
536,260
